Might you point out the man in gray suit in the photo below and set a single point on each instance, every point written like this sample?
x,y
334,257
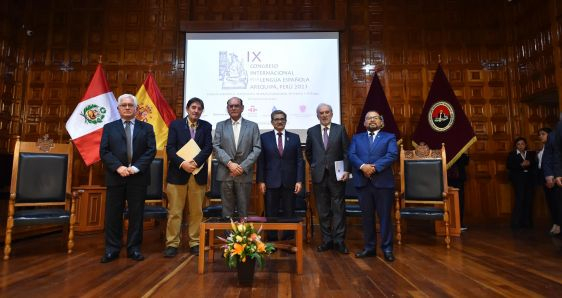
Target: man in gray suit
x,y
237,147
326,143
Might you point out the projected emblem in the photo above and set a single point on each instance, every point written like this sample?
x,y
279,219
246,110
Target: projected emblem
x,y
231,71
441,116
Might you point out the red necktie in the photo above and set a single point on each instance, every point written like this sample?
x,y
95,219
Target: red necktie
x,y
280,143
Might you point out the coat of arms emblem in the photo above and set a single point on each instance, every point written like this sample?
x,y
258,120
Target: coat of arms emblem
x,y
93,114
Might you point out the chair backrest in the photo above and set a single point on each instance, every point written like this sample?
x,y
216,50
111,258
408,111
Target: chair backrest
x,y
350,190
41,172
423,178
300,199
215,189
158,169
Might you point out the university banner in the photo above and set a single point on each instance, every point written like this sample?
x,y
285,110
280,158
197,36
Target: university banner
x,y
376,101
443,121
85,125
154,109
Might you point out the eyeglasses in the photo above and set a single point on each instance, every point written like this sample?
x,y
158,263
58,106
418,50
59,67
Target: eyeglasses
x,y
373,118
127,105
279,119
234,106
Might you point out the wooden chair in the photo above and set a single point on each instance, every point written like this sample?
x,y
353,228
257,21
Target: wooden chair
x,y
352,208
303,209
423,188
40,190
156,202
213,204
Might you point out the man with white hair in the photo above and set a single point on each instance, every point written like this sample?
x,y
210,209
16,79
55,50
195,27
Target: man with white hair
x,y
127,149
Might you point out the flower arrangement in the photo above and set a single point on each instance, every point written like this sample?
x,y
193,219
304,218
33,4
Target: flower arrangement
x,y
244,242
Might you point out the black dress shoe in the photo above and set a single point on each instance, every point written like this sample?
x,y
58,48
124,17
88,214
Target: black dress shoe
x,y
136,255
341,248
170,252
389,256
108,257
365,254
325,246
194,250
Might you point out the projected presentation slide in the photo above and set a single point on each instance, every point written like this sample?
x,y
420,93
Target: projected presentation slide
x,y
293,72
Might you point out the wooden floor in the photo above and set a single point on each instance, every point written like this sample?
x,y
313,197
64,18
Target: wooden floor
x,y
485,262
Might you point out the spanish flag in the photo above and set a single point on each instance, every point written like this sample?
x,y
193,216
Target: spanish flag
x,y
153,108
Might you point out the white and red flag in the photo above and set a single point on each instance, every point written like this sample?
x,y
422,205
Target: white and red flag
x,y
85,125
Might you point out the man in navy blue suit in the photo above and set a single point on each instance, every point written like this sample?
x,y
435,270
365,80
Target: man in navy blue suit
x,y
371,155
183,186
280,170
127,149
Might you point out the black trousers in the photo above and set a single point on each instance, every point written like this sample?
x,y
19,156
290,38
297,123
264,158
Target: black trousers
x,y
522,214
135,195
280,202
331,208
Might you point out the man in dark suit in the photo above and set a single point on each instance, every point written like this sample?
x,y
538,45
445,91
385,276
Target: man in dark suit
x,y
127,149
280,170
371,155
237,147
184,186
326,143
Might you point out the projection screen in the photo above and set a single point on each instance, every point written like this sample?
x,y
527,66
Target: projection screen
x,y
293,72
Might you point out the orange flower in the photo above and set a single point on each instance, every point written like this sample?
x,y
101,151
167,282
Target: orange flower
x,y
254,236
238,249
261,247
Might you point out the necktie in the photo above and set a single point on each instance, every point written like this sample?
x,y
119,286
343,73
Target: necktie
x,y
192,130
280,143
129,141
236,130
325,138
371,137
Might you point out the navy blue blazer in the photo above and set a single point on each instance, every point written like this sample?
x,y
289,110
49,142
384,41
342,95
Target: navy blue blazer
x,y
382,153
178,136
113,152
276,170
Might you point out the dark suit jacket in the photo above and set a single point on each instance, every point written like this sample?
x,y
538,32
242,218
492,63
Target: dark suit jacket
x,y
113,152
548,155
319,158
275,170
382,153
178,136
516,171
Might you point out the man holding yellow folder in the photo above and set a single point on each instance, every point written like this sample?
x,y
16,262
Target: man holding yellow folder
x,y
189,146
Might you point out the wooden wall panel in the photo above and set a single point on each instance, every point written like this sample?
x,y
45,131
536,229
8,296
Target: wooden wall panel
x,y
502,59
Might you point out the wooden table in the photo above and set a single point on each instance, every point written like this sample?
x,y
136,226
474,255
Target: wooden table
x,y
215,224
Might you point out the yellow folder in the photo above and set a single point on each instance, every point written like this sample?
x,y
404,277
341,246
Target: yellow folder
x,y
189,151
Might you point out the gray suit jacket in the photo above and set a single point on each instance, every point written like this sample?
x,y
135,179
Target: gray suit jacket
x,y
247,153
319,158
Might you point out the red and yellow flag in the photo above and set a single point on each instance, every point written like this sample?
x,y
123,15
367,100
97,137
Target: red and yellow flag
x,y
154,109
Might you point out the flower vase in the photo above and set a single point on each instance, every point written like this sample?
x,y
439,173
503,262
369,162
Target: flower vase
x,y
246,272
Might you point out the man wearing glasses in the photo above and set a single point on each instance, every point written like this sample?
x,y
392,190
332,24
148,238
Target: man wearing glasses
x,y
371,155
237,147
127,149
280,171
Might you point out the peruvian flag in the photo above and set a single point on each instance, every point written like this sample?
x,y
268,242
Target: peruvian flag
x,y
85,125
